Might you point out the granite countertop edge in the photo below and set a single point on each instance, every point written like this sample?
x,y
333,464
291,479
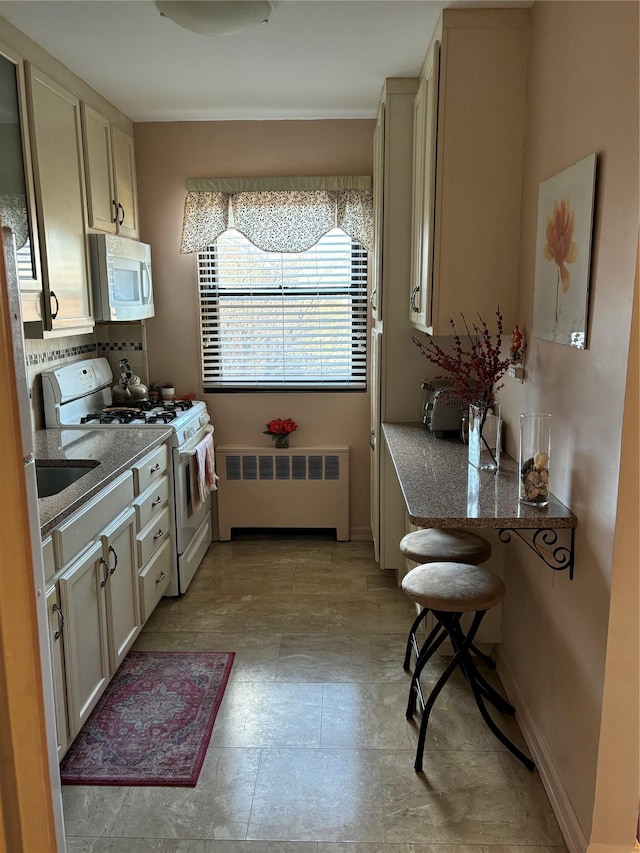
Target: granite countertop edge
x,y
115,449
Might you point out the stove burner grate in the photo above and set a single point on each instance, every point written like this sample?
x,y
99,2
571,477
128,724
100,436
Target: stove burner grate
x,y
161,417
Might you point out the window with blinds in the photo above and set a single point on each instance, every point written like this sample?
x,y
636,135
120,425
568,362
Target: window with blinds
x,y
272,320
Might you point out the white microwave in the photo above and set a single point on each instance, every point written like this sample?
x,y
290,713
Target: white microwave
x,y
121,278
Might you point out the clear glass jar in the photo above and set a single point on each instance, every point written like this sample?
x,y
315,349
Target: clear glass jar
x,y
534,458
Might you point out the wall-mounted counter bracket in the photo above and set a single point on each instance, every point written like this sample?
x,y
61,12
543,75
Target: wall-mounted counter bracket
x,y
543,542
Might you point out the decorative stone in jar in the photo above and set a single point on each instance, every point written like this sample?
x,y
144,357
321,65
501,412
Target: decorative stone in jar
x,y
534,457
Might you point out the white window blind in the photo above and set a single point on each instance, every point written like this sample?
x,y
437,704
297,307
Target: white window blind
x,y
273,320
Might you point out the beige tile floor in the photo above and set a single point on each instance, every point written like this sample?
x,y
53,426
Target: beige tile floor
x,y
311,751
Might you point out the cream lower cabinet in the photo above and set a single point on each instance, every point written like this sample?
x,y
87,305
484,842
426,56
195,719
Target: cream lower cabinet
x,y
156,529
99,596
106,567
469,148
86,651
121,591
56,643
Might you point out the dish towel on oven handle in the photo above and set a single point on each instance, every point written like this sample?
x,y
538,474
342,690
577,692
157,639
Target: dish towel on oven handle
x,y
202,472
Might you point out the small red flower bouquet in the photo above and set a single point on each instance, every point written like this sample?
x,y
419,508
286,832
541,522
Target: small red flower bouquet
x,y
279,429
278,426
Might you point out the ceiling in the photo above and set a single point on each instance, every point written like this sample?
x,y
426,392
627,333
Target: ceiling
x,y
313,59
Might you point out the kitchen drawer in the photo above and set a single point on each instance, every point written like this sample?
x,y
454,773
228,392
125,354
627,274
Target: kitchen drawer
x,y
75,534
154,579
151,537
150,469
48,559
151,500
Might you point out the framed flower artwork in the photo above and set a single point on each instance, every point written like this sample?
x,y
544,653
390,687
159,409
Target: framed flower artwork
x,y
563,254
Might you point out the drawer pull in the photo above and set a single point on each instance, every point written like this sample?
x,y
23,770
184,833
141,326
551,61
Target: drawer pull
x,y
157,501
155,468
58,610
103,563
159,534
115,559
160,578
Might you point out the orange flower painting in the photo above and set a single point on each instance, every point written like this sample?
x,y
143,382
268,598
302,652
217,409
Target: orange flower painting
x,y
560,246
564,230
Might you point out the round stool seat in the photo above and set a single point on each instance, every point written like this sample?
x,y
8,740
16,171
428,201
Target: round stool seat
x,y
434,545
453,587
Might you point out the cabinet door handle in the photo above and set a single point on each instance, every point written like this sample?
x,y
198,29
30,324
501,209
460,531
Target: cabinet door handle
x,y
58,611
159,534
103,563
160,578
157,501
372,439
55,313
115,210
413,298
112,550
121,209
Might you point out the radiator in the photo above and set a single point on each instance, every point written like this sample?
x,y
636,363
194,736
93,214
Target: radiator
x,y
298,487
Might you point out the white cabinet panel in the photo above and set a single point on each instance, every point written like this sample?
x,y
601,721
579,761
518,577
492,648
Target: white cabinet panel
x,y
55,615
85,637
466,238
122,607
60,198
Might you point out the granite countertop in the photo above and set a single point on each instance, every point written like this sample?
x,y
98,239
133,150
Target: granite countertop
x,y
115,449
441,489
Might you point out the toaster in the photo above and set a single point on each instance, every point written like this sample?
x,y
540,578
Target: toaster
x,y
440,413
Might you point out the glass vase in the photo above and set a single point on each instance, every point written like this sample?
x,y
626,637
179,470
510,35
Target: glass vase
x,y
485,436
534,457
282,441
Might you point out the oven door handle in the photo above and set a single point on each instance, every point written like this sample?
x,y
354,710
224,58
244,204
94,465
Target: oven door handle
x,y
186,454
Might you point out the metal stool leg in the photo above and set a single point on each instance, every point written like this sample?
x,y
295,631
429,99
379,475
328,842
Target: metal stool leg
x,y
455,661
431,645
412,645
459,642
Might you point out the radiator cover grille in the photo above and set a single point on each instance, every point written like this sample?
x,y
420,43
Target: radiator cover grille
x,y
293,467
301,487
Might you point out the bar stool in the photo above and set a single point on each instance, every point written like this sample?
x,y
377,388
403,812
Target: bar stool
x,y
436,545
449,590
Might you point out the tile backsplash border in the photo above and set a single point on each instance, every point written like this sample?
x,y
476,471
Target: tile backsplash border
x,y
110,340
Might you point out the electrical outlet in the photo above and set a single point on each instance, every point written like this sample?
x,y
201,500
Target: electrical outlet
x,y
516,371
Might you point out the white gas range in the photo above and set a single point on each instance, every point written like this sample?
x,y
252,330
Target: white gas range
x,y
79,395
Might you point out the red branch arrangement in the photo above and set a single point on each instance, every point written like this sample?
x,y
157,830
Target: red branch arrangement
x,y
474,370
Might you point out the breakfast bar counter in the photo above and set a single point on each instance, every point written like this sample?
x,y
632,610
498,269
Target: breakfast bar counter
x,y
441,489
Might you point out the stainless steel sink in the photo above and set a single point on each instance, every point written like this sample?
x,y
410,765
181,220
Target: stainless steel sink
x,y
53,477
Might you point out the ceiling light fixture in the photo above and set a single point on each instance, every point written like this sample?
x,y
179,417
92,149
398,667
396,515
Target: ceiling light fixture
x,y
215,17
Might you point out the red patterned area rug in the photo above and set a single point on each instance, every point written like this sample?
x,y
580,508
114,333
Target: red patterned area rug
x,y
153,723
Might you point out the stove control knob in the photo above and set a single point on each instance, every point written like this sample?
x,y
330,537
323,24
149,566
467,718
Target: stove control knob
x,y
189,432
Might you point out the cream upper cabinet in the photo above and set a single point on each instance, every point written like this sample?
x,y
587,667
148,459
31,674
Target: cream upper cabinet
x,y
17,198
396,365
375,298
468,169
110,172
56,141
424,130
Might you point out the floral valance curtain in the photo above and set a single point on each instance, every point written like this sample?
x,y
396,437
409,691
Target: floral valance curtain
x,y
277,214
